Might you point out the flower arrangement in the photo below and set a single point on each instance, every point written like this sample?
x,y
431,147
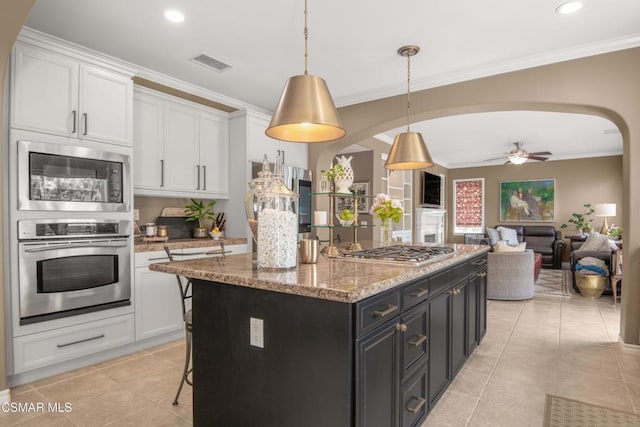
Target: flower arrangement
x,y
386,209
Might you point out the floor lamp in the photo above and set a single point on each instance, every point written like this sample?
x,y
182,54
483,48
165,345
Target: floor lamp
x,y
605,210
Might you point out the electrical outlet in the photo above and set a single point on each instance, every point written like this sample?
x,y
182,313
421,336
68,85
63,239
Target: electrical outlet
x,y
256,332
136,214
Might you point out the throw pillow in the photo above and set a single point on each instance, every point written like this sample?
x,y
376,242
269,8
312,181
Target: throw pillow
x,y
509,235
595,242
503,247
494,236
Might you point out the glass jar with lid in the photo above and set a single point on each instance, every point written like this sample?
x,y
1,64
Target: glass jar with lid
x,y
256,186
277,225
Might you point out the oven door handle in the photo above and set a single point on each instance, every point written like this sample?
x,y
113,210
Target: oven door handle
x,y
77,245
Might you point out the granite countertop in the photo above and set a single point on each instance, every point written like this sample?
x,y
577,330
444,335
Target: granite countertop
x,y
140,246
331,278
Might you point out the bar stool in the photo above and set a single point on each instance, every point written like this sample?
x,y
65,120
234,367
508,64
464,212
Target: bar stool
x,y
184,285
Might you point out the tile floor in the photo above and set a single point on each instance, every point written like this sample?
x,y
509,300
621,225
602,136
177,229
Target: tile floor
x,y
567,346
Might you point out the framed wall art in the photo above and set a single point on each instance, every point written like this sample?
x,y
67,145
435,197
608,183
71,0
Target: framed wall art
x,y
532,200
361,190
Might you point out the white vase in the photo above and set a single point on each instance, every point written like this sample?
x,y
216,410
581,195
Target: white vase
x,y
345,177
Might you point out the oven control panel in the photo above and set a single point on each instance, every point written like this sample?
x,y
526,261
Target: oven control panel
x,y
50,229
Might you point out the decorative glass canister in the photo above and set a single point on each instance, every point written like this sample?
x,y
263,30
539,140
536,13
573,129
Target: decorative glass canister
x,y
277,225
256,186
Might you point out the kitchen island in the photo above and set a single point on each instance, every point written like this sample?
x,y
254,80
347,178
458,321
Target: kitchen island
x,y
337,343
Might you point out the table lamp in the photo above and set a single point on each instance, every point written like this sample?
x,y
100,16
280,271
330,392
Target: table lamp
x,y
605,210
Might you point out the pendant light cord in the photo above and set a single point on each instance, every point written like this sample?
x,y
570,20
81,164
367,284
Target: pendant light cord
x,y
306,37
408,87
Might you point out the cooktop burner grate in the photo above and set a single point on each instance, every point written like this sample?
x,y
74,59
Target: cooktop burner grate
x,y
401,254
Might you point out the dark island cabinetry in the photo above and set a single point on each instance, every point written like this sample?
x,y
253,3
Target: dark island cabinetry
x,y
382,361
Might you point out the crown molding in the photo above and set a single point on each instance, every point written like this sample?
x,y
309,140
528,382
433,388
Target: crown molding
x,y
43,40
560,55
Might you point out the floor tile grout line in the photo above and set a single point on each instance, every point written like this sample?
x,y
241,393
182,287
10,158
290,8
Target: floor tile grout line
x,y
495,365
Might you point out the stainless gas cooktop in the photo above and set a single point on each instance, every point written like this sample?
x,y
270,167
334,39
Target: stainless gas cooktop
x,y
402,254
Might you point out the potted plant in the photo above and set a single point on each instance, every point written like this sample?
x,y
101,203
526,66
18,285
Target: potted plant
x,y
615,232
198,211
581,221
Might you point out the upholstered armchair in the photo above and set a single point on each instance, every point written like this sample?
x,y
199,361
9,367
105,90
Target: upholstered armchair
x,y
510,275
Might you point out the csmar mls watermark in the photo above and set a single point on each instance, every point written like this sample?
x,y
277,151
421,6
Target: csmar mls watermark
x,y
40,407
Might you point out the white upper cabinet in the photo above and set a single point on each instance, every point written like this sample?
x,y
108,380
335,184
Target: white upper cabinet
x,y
180,149
57,94
148,137
106,102
259,144
214,153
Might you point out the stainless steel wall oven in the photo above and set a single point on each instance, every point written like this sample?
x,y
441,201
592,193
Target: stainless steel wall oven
x,y
69,267
58,177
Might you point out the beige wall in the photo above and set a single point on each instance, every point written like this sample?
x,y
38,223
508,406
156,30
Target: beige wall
x,y
604,85
12,17
593,180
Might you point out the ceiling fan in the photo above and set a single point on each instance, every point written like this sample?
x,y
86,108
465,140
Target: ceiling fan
x,y
518,155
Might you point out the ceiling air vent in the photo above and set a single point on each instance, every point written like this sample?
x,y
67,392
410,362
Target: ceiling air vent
x,y
211,63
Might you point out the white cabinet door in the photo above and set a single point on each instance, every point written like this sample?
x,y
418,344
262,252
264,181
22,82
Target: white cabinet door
x,y
56,94
214,154
295,154
44,94
106,101
258,143
181,152
158,308
148,142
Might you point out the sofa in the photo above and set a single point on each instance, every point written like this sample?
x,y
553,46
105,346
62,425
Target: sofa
x,y
510,275
542,239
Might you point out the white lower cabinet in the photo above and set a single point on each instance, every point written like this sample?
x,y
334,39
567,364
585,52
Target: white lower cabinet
x,y
46,348
158,309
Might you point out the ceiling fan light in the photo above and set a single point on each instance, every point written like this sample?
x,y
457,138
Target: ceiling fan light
x,y
517,160
408,151
305,112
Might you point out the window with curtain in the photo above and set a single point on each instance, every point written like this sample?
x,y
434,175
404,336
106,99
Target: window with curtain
x,y
468,206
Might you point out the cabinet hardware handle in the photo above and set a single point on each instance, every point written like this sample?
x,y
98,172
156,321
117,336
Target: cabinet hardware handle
x,y
417,407
418,293
204,177
81,341
158,258
74,113
479,262
387,311
84,116
161,173
198,169
417,340
401,327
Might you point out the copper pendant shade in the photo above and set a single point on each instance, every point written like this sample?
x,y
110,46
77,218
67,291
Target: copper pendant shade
x,y
409,150
305,112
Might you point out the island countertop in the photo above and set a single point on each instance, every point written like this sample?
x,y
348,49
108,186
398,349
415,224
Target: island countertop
x,y
332,279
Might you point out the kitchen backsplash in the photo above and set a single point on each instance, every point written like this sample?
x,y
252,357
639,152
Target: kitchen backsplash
x,y
151,207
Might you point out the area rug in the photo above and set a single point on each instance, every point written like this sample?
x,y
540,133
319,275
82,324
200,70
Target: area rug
x,y
553,282
562,412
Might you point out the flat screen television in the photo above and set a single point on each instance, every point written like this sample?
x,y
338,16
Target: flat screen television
x,y
431,190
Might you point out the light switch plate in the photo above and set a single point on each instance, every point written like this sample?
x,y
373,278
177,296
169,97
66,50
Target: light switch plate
x,y
136,214
256,332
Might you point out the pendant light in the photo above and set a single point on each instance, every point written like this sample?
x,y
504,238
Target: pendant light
x,y
408,150
305,112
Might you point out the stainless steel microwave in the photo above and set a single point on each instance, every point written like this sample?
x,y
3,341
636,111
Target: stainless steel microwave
x,y
58,177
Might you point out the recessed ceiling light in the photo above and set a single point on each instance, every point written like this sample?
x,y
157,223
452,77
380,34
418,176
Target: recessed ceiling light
x,y
174,15
569,7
